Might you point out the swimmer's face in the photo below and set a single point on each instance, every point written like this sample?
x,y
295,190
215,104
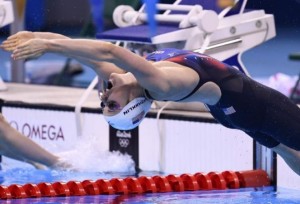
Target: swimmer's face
x,y
116,96
115,99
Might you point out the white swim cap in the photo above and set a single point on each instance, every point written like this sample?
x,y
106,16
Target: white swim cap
x,y
131,115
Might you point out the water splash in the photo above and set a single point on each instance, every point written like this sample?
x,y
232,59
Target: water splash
x,y
88,156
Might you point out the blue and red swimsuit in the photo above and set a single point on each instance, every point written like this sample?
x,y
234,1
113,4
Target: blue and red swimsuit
x,y
265,114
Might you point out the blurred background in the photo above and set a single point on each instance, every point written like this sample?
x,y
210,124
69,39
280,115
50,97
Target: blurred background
x,y
82,18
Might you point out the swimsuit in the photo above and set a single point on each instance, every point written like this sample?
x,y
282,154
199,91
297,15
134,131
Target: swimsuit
x,y
265,114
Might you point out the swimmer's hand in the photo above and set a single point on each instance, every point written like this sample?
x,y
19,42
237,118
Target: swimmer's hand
x,y
33,48
62,164
13,41
37,165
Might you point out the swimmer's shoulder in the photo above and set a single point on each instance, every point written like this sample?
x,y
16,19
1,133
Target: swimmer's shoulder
x,y
164,64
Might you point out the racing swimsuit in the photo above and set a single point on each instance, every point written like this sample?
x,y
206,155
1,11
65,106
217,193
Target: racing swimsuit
x,y
265,114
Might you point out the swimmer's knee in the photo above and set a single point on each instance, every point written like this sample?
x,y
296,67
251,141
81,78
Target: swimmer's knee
x,y
285,151
281,146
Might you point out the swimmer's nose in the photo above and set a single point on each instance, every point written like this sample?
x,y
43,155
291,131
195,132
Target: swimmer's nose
x,y
109,85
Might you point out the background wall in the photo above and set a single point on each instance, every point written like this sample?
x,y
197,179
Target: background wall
x,y
67,14
286,12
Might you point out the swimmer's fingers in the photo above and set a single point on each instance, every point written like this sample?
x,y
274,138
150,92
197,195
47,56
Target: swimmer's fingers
x,y
22,36
31,49
37,165
63,164
17,39
20,53
9,45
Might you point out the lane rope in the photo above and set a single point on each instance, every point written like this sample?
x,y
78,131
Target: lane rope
x,y
140,185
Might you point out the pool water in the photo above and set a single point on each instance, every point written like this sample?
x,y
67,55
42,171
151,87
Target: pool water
x,y
265,195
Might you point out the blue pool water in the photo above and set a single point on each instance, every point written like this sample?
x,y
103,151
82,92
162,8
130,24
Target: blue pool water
x,y
266,195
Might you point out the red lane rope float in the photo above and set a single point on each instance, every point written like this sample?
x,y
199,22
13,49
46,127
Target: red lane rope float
x,y
232,179
176,183
5,192
46,189
203,181
119,186
105,186
218,181
32,190
61,189
147,184
90,187
162,184
76,188
253,179
143,184
190,182
17,191
133,185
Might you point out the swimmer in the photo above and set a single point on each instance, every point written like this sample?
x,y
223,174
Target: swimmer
x,y
17,146
133,82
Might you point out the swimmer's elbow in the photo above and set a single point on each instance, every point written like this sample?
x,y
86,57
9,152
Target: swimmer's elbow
x,y
105,51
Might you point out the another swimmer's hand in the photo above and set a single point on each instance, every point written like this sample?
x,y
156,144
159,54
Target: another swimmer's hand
x,y
31,49
62,164
13,41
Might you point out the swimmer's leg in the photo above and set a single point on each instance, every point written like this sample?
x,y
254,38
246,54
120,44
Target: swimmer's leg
x,y
281,120
290,156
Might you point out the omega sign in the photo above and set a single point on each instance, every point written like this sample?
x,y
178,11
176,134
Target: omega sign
x,y
41,132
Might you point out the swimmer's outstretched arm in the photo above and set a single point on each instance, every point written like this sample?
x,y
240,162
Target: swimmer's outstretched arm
x,y
150,77
11,43
17,146
103,69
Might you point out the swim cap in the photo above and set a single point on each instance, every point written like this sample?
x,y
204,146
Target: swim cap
x,y
131,115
